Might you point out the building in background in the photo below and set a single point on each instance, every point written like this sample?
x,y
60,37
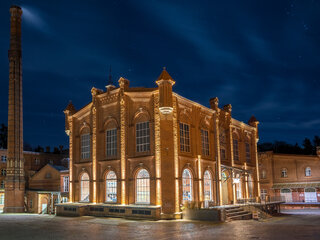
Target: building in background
x,y
295,178
151,147
47,187
33,162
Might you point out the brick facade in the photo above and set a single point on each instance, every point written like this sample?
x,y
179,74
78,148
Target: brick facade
x,y
273,178
165,159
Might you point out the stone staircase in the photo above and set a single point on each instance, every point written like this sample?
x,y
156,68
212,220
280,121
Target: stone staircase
x,y
237,213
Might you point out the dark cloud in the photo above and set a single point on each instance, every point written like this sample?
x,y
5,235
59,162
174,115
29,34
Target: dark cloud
x,y
260,56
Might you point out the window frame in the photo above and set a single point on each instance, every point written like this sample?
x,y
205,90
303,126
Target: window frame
x,y
111,139
186,197
1,198
85,145
65,183
284,173
307,172
205,142
184,135
142,131
247,151
235,148
207,177
111,187
83,181
143,188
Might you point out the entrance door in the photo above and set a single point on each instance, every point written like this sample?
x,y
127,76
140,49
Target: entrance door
x,y
286,194
44,208
310,195
237,182
225,197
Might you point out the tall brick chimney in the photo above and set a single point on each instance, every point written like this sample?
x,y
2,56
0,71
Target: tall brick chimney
x,y
15,183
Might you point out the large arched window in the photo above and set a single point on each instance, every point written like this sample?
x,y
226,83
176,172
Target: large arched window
x,y
85,188
207,186
111,187
186,185
308,171
143,187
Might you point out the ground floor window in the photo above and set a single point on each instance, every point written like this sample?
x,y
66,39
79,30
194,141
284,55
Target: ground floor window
x,y
250,185
186,185
143,187
85,188
2,199
286,194
207,186
238,185
310,195
111,187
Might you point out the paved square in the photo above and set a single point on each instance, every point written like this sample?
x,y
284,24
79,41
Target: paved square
x,y
34,227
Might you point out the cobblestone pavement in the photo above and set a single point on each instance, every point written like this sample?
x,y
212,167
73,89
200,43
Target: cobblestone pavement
x,y
27,226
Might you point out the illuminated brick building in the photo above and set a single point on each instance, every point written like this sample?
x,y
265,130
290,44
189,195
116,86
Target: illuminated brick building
x,y
152,147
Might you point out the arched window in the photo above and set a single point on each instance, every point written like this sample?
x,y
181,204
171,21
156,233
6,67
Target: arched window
x,y
308,172
207,186
111,187
85,188
3,172
284,173
186,185
143,187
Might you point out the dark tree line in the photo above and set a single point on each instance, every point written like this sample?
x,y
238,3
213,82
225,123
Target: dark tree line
x,y
308,147
26,145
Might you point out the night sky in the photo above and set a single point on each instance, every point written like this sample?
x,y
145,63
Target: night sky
x,y
261,56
